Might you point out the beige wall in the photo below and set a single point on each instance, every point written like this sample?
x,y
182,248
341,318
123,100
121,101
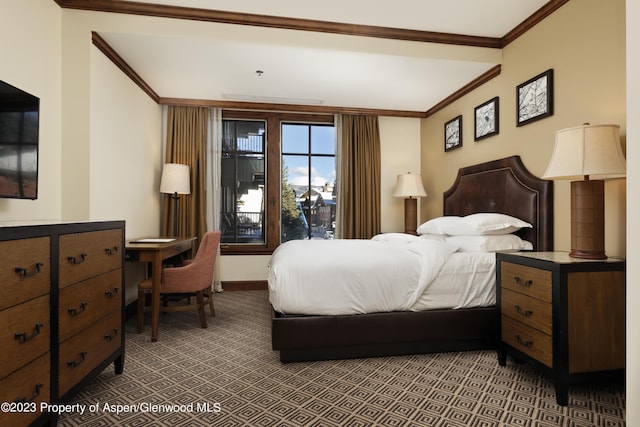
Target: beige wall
x,y
125,157
584,43
31,61
633,212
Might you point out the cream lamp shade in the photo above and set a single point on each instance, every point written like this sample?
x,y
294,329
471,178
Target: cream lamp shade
x,y
410,186
587,150
586,155
175,179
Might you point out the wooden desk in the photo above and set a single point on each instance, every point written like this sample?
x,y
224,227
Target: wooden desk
x,y
154,254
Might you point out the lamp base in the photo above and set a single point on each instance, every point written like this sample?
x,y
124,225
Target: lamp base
x,y
410,215
587,219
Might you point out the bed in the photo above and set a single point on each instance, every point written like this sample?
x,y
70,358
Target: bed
x,y
499,186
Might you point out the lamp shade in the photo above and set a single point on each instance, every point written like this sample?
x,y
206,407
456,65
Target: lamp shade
x,y
587,150
409,185
175,179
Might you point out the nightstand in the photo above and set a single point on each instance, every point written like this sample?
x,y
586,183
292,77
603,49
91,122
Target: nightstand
x,y
565,314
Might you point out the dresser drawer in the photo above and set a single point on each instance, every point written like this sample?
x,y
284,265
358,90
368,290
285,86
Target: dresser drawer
x,y
86,350
528,340
85,255
527,280
525,309
25,270
32,383
87,301
25,334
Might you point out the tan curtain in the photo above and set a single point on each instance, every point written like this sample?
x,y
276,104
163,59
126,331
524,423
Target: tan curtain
x,y
187,145
360,160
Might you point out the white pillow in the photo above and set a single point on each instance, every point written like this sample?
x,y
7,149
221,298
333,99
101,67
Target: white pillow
x,y
440,225
493,223
436,237
479,224
496,243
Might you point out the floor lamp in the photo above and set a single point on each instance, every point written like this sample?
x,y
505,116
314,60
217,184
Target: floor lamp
x,y
175,181
581,154
410,187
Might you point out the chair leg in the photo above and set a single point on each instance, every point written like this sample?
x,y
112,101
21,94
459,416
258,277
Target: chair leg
x,y
203,318
140,313
209,293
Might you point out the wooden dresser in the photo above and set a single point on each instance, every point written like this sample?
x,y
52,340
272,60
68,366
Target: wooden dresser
x,y
565,314
62,313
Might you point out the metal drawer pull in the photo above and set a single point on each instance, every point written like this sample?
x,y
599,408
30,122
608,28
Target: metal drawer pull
x,y
111,294
22,336
74,363
525,313
35,394
524,343
111,251
74,311
73,260
24,272
525,283
109,337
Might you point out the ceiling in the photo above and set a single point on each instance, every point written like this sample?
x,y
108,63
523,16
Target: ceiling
x,y
247,59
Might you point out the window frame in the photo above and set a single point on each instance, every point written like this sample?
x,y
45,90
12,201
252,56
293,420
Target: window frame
x,y
273,122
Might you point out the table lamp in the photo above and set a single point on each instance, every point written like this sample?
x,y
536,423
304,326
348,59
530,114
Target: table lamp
x,y
580,154
410,187
175,181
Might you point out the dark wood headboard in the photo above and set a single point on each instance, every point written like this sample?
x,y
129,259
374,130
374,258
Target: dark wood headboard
x,y
505,186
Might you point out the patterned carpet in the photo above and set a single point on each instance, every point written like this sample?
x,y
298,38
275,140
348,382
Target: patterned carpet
x,y
227,375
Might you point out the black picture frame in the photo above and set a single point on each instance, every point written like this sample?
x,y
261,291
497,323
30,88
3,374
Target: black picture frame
x,y
486,119
534,98
453,134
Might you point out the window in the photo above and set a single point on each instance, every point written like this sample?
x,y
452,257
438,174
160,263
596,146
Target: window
x,y
308,191
243,182
252,202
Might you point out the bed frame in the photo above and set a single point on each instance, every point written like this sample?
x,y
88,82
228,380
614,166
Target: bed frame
x,y
503,186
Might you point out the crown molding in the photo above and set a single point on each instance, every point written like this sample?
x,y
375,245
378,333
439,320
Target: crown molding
x,y
196,14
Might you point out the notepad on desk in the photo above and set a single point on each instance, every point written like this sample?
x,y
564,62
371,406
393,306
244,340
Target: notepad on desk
x,y
153,240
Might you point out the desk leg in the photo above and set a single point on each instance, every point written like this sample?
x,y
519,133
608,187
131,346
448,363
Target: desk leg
x,y
155,294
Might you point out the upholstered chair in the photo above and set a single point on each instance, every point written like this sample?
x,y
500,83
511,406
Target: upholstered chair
x,y
194,277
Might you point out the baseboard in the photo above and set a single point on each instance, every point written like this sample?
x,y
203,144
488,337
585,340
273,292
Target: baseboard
x,y
249,285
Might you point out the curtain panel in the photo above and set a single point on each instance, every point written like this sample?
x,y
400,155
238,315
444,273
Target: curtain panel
x,y
360,184
187,131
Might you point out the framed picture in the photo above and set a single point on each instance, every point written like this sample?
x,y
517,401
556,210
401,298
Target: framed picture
x,y
534,98
453,134
486,119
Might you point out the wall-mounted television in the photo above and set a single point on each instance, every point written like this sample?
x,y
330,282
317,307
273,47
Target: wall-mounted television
x,y
19,116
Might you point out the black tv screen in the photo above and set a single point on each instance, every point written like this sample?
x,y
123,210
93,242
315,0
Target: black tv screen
x,y
19,113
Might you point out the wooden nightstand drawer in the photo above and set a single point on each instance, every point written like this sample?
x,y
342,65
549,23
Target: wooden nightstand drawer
x,y
527,280
83,352
25,334
31,383
530,311
85,255
528,340
25,270
86,302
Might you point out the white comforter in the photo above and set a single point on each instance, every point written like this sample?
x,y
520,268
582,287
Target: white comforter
x,y
354,276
